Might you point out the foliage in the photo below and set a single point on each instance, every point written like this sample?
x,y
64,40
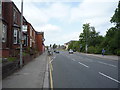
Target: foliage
x,y
11,58
91,38
74,45
91,49
24,53
54,46
118,52
116,17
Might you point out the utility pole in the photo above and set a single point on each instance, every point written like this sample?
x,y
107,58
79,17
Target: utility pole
x,y
86,41
21,61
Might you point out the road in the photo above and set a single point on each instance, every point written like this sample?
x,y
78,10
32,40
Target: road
x,y
83,71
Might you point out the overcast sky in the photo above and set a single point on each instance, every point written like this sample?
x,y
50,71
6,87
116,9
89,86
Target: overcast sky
x,y
62,20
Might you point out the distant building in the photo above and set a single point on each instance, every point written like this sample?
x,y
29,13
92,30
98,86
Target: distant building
x,y
66,45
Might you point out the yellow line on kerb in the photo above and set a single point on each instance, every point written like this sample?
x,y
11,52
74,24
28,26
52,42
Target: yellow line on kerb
x,y
51,80
51,66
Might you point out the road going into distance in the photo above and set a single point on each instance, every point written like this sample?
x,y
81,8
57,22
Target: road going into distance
x,y
83,71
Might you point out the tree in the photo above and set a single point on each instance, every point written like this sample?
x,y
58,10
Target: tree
x,y
89,37
84,37
116,17
50,45
54,46
74,45
86,31
111,40
115,40
93,37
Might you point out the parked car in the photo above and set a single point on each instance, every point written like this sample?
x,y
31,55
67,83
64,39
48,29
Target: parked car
x,y
70,51
57,51
54,50
74,50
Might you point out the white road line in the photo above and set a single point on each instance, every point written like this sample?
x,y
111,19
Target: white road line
x,y
107,64
73,59
109,77
54,57
51,61
83,64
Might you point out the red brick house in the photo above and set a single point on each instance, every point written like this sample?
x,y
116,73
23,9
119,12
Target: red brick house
x,y
40,42
10,28
31,35
11,32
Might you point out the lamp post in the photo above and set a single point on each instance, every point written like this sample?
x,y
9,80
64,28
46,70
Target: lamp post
x,y
86,42
21,60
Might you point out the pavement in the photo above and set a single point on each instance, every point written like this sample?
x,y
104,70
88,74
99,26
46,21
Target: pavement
x,y
32,75
0,75
111,57
80,70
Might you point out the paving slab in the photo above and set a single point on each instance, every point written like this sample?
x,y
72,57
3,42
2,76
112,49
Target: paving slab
x,y
30,76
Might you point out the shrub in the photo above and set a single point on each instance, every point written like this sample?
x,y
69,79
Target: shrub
x,y
118,52
24,53
91,49
98,50
11,58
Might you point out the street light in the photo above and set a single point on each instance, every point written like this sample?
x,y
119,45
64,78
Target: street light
x,y
21,61
86,42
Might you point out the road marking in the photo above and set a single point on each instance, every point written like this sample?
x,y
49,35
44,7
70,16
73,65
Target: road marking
x,y
51,66
54,57
51,61
83,64
107,64
51,80
73,59
109,77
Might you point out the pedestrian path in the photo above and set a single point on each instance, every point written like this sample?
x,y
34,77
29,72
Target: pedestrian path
x,y
113,57
30,76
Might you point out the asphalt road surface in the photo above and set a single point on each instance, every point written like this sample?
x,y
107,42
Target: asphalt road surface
x,y
83,71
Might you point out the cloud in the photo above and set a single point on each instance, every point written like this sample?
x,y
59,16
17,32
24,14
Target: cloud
x,y
60,38
66,0
57,11
38,15
98,14
49,28
87,10
43,16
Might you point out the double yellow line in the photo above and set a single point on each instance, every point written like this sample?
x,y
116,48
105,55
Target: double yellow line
x,y
51,69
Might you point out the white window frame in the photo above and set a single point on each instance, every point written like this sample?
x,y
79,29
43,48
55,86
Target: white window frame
x,y
25,40
15,36
24,28
4,33
30,42
31,31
